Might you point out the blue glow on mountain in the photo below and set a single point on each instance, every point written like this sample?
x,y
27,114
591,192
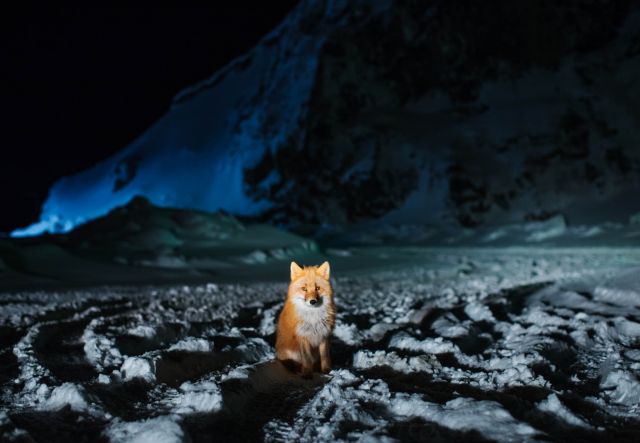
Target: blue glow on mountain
x,y
194,157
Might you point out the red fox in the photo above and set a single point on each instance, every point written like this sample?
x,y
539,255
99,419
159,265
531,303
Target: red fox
x,y
307,320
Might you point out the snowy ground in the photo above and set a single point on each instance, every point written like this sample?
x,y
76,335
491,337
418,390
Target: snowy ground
x,y
503,344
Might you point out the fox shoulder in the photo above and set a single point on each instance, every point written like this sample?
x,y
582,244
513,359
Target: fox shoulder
x,y
288,317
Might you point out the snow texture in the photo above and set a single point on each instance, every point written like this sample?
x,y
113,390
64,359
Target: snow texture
x,y
202,396
553,405
469,344
192,344
136,367
155,430
66,394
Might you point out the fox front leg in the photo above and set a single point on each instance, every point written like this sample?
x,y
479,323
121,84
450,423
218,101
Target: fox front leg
x,y
325,358
307,360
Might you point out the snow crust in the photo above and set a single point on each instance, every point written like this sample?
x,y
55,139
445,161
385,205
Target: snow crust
x,y
338,403
487,417
453,346
155,430
137,367
371,359
192,344
66,394
553,405
202,396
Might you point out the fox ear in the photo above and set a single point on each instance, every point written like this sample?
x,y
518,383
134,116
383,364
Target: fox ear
x,y
295,270
324,270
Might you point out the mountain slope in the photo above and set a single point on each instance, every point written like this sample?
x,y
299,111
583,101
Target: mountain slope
x,y
406,112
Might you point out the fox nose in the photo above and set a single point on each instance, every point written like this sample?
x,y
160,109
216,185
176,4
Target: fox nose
x,y
313,301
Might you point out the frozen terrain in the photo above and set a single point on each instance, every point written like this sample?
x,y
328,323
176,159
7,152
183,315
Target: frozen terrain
x,y
463,345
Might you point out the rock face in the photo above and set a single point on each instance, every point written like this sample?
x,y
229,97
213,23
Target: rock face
x,y
405,112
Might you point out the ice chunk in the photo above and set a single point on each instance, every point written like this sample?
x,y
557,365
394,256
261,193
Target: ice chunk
x,y
202,396
617,296
626,388
142,331
541,318
479,312
465,414
347,333
66,394
192,344
627,328
449,326
241,372
104,379
553,405
268,322
138,367
368,359
100,350
436,345
155,430
377,331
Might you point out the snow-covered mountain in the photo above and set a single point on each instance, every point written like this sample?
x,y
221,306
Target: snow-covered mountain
x,y
398,111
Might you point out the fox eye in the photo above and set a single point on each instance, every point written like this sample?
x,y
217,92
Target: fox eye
x,y
317,288
304,288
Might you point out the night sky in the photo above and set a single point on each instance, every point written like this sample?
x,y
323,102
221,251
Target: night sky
x,y
78,84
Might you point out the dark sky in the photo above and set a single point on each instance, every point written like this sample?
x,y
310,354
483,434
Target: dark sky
x,y
80,83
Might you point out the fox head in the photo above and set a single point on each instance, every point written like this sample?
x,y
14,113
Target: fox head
x,y
310,285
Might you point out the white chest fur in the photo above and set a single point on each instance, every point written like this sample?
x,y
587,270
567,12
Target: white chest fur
x,y
314,322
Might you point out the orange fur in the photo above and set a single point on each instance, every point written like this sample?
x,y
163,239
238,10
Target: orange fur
x,y
303,331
